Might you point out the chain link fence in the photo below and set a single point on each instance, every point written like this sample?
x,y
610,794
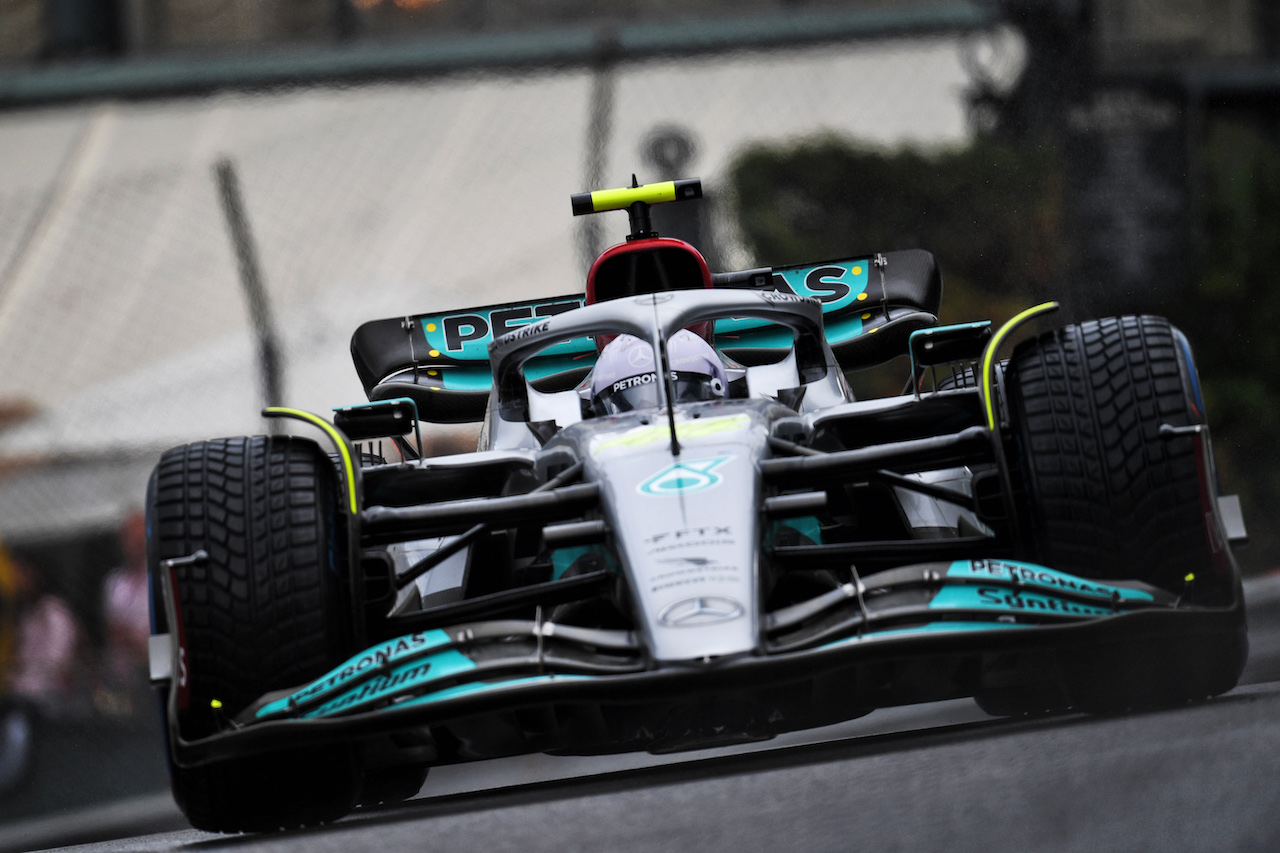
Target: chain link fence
x,y
124,328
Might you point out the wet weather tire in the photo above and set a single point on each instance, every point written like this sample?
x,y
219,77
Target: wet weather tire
x,y
267,610
1108,497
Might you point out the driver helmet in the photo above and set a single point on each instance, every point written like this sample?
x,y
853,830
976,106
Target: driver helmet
x,y
625,378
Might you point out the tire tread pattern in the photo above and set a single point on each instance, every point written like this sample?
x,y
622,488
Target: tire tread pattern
x,y
264,612
254,613
1110,498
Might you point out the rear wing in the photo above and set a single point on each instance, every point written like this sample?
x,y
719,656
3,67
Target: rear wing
x,y
870,306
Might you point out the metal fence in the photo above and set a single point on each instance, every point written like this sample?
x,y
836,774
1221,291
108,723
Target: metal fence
x,y
123,325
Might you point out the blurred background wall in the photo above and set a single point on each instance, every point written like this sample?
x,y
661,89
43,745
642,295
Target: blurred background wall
x,y
399,156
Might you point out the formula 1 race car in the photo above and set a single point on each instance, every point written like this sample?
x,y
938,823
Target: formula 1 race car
x,y
681,531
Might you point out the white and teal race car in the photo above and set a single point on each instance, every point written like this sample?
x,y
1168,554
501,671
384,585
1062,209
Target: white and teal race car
x,y
677,559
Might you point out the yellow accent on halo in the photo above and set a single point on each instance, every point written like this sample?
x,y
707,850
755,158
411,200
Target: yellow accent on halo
x,y
330,430
862,296
435,353
433,373
623,198
988,355
431,327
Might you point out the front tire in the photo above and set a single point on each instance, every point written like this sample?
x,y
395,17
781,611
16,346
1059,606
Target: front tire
x,y
1108,497
269,609
1111,498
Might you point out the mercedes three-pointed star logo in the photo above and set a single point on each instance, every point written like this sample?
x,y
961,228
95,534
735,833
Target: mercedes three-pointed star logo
x,y
697,612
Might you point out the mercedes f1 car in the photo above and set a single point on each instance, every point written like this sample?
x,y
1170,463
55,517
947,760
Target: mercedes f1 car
x,y
704,550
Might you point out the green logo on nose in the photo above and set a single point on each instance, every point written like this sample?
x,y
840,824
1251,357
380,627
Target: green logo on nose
x,y
684,478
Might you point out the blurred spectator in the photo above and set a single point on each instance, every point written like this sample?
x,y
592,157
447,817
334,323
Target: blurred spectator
x,y
15,721
42,675
128,622
49,638
8,618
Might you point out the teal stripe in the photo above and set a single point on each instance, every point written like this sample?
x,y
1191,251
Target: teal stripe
x,y
931,628
358,667
842,329
807,526
1031,574
483,686
770,336
412,676
1006,600
563,558
478,378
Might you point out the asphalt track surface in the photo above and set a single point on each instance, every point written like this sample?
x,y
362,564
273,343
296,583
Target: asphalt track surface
x,y
941,777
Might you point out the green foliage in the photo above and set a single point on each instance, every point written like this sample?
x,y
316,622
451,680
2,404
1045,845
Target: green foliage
x,y
1231,312
991,213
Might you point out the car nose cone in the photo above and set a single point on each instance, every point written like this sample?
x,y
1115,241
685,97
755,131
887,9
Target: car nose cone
x,y
697,612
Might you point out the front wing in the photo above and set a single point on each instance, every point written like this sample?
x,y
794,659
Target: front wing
x,y
919,633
